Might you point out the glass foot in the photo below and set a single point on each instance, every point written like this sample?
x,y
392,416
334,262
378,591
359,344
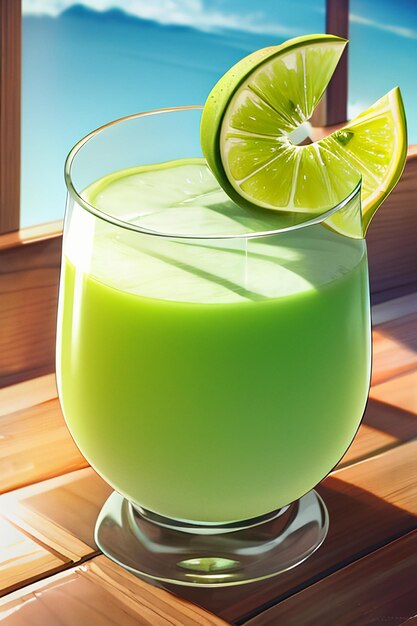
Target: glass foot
x,y
151,546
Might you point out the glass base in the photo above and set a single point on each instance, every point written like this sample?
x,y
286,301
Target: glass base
x,y
195,555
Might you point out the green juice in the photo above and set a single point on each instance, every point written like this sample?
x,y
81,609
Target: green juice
x,y
209,380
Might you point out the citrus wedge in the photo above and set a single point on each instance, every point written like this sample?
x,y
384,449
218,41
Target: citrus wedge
x,y
250,117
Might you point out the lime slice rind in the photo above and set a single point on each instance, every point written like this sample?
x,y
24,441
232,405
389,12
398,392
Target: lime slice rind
x,y
250,118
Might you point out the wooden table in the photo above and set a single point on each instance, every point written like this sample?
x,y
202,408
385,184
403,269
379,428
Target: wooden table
x,y
52,574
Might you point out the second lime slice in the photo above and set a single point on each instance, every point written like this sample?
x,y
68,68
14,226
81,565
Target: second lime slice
x,y
248,123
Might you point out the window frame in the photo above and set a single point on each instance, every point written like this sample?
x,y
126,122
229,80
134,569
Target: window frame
x,y
10,106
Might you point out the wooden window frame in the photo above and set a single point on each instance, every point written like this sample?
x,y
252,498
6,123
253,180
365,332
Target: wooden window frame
x,y
30,258
10,99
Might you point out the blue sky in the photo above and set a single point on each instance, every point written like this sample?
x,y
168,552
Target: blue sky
x,y
151,66
270,16
273,18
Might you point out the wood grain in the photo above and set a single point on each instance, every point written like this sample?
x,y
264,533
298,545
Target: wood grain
x,y
331,111
336,97
100,593
391,238
35,444
370,504
378,589
22,559
60,512
390,416
394,348
394,337
27,394
400,392
10,105
394,308
29,277
31,235
384,426
370,507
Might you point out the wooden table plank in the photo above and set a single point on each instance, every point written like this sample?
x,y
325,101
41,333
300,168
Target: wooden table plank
x,y
27,394
394,309
394,337
61,511
22,559
390,418
29,280
394,348
378,589
370,504
400,392
100,593
384,426
393,265
35,444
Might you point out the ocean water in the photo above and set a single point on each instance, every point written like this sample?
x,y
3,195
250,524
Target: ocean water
x,y
82,68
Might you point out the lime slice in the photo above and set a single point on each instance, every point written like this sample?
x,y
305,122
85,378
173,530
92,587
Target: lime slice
x,y
249,120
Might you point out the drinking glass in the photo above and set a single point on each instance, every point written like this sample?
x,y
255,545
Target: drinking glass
x,y
213,362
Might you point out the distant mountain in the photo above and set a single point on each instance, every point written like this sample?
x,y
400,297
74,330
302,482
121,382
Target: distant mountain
x,y
81,10
119,16
115,15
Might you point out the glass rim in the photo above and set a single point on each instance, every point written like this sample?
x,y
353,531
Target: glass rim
x,y
110,219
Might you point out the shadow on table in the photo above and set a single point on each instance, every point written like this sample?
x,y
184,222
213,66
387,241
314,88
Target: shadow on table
x,y
391,419
360,522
